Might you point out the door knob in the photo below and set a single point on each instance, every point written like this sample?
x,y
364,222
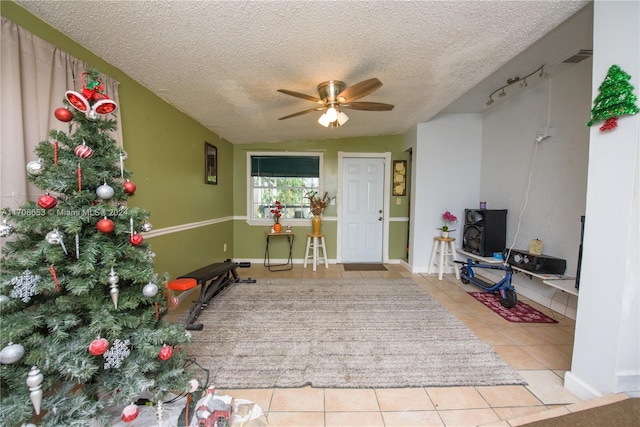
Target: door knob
x,y
380,219
380,211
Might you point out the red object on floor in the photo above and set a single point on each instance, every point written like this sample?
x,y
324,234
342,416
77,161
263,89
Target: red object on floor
x,y
182,284
522,313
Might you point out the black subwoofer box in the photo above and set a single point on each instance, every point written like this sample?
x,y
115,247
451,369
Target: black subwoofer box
x,y
543,264
485,231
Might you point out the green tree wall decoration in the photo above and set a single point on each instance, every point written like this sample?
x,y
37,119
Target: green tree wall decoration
x,y
616,98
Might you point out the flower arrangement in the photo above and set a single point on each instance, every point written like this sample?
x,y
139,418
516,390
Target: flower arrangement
x,y
448,217
276,212
318,204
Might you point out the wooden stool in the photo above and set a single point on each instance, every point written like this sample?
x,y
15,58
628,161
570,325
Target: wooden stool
x,y
315,242
443,248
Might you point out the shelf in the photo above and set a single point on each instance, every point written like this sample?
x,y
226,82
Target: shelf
x,y
486,260
559,281
543,276
565,285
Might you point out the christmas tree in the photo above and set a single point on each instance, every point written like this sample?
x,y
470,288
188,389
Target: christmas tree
x,y
614,99
82,314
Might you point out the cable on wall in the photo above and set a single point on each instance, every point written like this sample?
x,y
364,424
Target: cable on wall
x,y
546,133
524,206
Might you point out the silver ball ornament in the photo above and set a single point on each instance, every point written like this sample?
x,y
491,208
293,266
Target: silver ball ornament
x,y
5,229
11,353
146,227
35,167
54,237
104,192
150,290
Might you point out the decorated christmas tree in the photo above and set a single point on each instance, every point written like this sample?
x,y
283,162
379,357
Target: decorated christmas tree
x,y
614,99
82,311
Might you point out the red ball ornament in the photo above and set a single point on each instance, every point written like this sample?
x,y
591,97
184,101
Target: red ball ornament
x,y
98,346
130,413
136,239
106,225
129,187
83,151
165,352
47,201
63,114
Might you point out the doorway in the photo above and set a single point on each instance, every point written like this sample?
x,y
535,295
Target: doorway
x,y
363,225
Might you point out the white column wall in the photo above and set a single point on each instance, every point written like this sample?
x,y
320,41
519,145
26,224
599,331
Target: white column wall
x,y
445,176
606,355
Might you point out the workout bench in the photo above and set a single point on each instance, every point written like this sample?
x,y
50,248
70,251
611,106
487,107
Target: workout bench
x,y
212,280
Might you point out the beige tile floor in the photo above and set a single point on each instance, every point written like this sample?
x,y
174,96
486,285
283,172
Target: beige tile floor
x,y
541,353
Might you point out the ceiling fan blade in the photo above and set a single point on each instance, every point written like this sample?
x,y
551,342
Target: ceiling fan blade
x,y
359,90
301,95
368,106
299,113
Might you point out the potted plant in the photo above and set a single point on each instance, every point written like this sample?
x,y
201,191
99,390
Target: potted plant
x,y
276,213
448,218
317,207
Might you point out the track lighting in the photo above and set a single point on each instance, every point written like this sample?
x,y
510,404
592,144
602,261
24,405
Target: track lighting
x,y
512,81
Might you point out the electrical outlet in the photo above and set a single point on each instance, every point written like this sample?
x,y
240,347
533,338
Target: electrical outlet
x,y
225,247
398,201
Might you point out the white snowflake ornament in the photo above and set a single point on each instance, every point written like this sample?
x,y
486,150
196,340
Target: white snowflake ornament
x,y
116,354
25,286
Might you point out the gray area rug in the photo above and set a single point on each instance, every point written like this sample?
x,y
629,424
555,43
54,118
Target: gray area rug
x,y
340,333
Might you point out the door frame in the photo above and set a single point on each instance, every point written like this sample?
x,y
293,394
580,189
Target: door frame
x,y
386,197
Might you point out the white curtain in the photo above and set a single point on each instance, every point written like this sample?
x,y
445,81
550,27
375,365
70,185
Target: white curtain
x,y
34,76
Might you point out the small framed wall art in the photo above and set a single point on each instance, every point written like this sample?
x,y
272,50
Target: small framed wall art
x,y
210,164
399,177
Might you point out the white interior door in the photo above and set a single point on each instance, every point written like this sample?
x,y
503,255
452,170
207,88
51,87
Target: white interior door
x,y
362,209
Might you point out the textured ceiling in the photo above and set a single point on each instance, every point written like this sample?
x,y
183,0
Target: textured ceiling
x,y
221,62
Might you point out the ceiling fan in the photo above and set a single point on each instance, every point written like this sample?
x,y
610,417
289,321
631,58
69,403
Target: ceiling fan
x,y
334,95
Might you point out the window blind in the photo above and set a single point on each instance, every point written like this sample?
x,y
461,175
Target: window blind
x,y
285,166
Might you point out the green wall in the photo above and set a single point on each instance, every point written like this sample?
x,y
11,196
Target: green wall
x,y
166,155
250,239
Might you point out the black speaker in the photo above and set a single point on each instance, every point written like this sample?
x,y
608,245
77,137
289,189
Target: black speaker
x,y
543,264
485,231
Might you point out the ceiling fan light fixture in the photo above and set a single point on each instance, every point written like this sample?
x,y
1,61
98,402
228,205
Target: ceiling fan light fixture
x,y
342,118
334,95
332,114
324,120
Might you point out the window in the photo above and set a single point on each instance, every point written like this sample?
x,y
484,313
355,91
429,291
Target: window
x,y
285,177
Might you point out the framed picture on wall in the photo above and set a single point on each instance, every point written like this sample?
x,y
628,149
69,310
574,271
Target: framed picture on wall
x,y
399,177
210,164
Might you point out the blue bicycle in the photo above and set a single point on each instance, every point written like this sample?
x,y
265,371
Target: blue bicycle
x,y
504,289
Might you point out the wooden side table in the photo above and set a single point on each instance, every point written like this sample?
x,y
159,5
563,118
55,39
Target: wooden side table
x,y
443,255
